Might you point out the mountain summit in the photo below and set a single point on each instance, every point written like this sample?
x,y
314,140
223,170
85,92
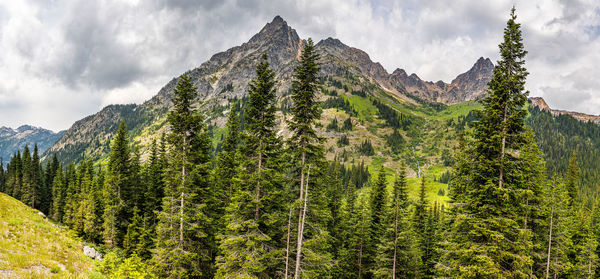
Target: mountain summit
x,y
12,140
225,76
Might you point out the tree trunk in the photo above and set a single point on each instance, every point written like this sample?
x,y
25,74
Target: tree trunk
x,y
181,220
550,235
502,151
182,192
360,250
301,227
395,242
287,245
257,198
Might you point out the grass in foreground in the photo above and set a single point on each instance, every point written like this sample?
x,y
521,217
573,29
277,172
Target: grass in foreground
x,y
33,247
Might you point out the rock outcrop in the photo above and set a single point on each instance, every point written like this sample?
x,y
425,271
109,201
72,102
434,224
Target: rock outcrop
x,y
540,103
92,253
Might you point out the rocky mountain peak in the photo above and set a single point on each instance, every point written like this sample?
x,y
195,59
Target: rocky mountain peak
x,y
275,31
540,103
331,42
12,140
400,72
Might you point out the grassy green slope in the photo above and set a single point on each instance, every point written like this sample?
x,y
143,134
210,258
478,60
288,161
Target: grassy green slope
x,y
434,129
33,247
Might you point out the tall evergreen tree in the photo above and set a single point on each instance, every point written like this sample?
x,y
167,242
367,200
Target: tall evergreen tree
x,y
27,190
2,176
397,255
154,191
253,217
226,167
41,194
90,205
583,253
51,169
116,189
557,239
307,151
487,238
182,244
572,178
377,205
58,195
356,236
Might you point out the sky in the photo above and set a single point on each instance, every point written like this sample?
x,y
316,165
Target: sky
x,y
61,60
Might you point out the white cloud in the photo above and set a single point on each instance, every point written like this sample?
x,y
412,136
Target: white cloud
x,y
65,59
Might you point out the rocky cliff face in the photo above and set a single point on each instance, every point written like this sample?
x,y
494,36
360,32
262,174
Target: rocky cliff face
x,y
540,103
472,84
468,86
225,76
12,140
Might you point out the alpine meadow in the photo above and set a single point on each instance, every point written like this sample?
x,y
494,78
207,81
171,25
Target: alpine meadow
x,y
291,158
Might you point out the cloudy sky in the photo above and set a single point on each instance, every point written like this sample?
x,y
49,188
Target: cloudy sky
x,y
61,60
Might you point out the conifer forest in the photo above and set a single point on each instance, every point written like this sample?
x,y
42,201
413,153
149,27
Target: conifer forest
x,y
249,200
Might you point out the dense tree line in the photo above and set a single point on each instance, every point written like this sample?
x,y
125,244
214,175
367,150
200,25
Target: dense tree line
x,y
264,207
395,119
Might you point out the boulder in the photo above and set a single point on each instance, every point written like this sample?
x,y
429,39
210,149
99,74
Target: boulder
x,y
92,253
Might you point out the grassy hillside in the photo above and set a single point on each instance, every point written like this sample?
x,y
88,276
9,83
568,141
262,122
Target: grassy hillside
x,y
33,247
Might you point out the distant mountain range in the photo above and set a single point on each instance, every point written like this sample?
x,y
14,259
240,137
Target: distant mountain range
x,y
225,76
12,140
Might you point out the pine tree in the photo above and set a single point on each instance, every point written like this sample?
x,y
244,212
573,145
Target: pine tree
x,y
420,223
253,216
307,151
70,202
58,195
487,238
534,217
41,194
226,168
583,254
572,178
377,204
51,170
335,195
154,191
15,180
397,255
27,194
134,234
116,189
182,245
557,239
90,206
356,236
2,177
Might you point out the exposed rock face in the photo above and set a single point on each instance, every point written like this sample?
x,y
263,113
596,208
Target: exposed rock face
x,y
472,84
465,87
12,140
226,75
92,253
540,103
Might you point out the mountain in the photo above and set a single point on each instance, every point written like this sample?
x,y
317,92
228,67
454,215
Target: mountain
x,y
12,140
541,104
225,76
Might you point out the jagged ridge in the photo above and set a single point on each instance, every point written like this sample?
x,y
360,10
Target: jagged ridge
x,y
226,75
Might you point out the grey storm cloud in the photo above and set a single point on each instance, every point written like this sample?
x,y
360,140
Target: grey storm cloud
x,y
65,59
